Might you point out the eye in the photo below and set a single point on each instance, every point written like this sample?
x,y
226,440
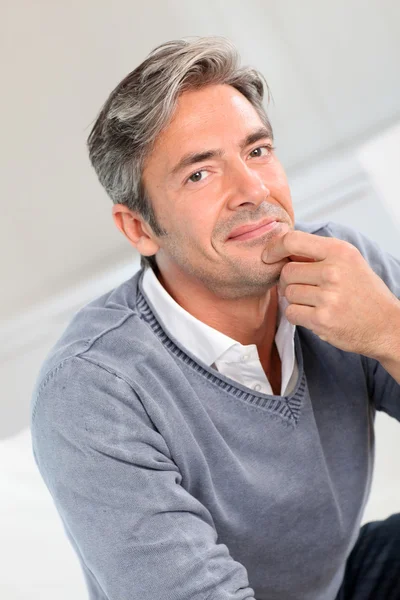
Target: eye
x,y
268,149
193,177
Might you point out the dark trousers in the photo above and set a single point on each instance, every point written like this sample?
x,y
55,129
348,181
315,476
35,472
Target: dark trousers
x,y
373,567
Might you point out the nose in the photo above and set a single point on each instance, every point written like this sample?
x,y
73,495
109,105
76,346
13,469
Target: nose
x,y
246,186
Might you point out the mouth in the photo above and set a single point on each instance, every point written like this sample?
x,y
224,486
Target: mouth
x,y
256,231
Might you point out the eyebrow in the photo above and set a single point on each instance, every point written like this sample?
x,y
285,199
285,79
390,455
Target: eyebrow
x,y
195,157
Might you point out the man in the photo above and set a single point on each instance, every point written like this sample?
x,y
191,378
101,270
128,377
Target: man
x,y
206,428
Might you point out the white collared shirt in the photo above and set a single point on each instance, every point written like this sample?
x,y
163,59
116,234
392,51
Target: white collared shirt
x,y
219,351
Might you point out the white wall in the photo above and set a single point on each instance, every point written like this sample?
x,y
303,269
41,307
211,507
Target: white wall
x,y
333,71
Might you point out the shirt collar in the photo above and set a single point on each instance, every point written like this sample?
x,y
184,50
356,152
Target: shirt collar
x,y
203,341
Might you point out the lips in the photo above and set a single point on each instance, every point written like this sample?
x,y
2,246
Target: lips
x,y
250,227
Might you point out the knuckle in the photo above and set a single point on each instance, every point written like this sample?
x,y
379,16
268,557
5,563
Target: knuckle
x,y
330,273
334,302
322,316
287,269
289,292
290,312
347,249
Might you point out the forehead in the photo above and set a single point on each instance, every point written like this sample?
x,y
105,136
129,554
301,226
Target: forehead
x,y
204,118
208,105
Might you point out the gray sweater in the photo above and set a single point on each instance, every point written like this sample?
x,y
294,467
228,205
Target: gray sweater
x,y
174,482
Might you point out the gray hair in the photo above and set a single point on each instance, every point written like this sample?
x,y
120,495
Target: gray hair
x,y
143,104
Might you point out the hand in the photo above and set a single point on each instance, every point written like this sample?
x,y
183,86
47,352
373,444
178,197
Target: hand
x,y
337,295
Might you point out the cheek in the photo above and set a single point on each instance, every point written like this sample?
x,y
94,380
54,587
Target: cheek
x,y
280,180
282,193
199,221
189,227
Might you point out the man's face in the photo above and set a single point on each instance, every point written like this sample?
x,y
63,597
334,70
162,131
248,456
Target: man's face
x,y
200,204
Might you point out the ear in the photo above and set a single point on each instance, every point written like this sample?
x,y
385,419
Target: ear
x,y
135,230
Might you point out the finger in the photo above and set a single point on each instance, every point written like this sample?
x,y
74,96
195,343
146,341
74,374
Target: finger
x,y
294,257
276,250
300,315
307,295
297,243
300,272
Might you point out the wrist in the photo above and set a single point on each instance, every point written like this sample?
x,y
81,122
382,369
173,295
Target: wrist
x,y
388,346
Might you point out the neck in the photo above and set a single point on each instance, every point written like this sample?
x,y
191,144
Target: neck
x,y
248,320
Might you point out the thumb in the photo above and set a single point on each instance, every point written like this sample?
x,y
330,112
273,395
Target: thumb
x,y
275,250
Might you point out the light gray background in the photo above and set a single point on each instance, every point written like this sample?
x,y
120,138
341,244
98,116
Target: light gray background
x,y
333,71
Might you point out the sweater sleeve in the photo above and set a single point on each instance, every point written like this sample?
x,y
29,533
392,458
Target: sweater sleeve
x,y
136,530
383,388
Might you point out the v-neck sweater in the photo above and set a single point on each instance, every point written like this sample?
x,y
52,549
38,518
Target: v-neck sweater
x,y
175,482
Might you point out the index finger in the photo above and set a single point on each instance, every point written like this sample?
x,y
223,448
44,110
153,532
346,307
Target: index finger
x,y
296,245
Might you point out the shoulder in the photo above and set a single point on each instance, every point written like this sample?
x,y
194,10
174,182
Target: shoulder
x,y
330,229
368,248
108,332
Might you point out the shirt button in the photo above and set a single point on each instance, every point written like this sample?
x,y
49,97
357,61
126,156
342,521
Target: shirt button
x,y
257,387
245,357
